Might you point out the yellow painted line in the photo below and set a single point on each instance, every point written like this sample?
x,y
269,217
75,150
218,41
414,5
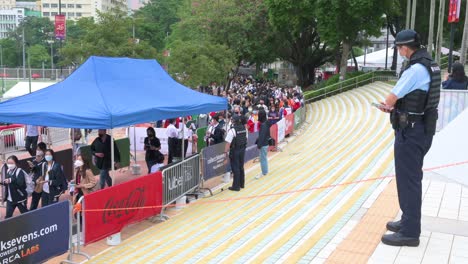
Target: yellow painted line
x,y
189,235
262,257
264,233
210,209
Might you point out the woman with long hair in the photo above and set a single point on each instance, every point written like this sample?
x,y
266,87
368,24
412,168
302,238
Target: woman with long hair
x,y
85,181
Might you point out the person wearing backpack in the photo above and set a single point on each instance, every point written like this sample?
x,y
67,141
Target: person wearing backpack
x,y
38,168
54,183
15,188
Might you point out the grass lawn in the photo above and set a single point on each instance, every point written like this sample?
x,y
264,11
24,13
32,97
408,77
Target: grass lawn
x,y
8,85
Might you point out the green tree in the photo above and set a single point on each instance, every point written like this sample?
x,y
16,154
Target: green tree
x,y
297,38
10,52
38,54
154,20
341,21
110,36
197,62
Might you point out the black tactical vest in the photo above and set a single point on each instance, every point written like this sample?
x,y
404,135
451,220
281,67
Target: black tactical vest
x,y
419,101
240,140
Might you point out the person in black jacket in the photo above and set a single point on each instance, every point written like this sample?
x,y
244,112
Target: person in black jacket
x,y
54,183
152,147
262,142
38,167
15,188
101,149
218,133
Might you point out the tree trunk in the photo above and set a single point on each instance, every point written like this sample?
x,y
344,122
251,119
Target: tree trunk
x,y
408,14
430,40
413,14
356,67
440,30
465,38
344,59
304,78
394,59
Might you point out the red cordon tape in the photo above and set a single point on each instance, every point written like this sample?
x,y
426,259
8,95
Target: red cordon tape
x,y
77,207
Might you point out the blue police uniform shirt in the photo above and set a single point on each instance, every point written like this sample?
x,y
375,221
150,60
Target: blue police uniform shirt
x,y
414,78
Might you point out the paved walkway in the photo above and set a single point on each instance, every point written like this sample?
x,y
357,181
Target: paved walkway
x,y
325,200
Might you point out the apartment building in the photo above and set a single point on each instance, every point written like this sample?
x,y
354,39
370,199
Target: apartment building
x,y
9,20
76,9
7,4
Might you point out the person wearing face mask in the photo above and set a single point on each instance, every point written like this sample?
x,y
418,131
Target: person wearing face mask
x,y
54,183
152,145
84,178
412,105
101,149
15,188
38,167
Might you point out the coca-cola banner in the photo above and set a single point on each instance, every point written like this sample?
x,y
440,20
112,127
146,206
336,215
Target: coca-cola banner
x,y
107,211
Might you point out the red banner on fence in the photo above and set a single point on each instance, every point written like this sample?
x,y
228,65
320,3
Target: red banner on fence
x,y
60,27
274,135
454,11
289,124
108,211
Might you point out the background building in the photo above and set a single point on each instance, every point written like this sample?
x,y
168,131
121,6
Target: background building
x,y
136,4
7,4
76,9
9,20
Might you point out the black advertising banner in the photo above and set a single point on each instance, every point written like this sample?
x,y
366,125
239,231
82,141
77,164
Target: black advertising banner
x,y
251,152
214,161
36,236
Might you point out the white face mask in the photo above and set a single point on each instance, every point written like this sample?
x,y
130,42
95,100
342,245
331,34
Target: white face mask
x,y
78,163
403,58
11,166
48,157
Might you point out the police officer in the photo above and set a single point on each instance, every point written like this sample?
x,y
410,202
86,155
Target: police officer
x,y
412,105
236,140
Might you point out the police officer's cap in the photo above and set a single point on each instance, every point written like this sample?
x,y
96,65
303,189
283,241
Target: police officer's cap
x,y
236,119
407,37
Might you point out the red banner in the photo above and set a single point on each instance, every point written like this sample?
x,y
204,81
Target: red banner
x,y
274,135
60,27
289,124
100,214
454,11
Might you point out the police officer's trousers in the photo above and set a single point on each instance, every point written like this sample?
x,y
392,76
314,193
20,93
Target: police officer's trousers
x,y
411,145
237,165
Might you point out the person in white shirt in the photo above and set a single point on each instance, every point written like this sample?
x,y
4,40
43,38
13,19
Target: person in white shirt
x,y
32,137
185,133
172,134
159,162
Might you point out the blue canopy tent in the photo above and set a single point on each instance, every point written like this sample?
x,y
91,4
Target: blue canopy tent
x,y
106,93
109,93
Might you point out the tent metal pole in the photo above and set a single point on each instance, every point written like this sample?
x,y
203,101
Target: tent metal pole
x,y
134,144
112,156
183,138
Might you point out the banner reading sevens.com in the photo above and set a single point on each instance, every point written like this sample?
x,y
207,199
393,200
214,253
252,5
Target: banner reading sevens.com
x,y
35,236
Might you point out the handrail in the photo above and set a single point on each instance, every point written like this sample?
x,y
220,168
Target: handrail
x,y
345,85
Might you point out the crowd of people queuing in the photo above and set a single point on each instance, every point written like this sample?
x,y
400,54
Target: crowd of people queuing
x,y
253,106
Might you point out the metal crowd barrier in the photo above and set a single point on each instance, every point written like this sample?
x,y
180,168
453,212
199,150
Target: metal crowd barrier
x,y
180,179
452,103
11,140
